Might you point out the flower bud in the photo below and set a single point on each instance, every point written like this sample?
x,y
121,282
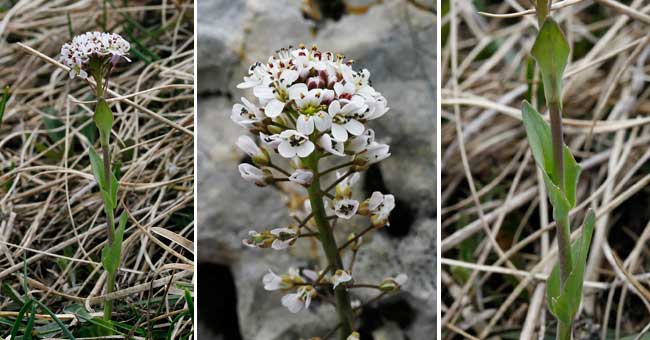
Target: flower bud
x,y
258,155
274,129
302,177
391,284
255,175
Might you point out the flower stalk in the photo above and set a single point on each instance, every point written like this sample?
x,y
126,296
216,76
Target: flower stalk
x,y
326,236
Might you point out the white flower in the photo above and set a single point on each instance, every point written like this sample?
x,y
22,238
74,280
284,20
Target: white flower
x,y
346,208
302,298
377,107
77,54
272,141
246,115
339,277
331,145
374,153
302,177
258,155
275,94
284,237
310,104
258,74
274,282
343,188
295,143
344,119
256,175
361,143
380,206
353,336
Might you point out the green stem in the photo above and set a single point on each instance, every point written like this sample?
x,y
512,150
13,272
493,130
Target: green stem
x,y
108,304
343,305
543,8
562,223
564,331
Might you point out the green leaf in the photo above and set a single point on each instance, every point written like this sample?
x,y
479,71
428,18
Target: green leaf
x,y
551,50
19,319
564,302
103,118
3,103
539,138
97,165
561,205
571,175
111,253
61,325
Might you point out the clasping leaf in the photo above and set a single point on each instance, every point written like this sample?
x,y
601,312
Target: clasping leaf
x,y
111,253
564,300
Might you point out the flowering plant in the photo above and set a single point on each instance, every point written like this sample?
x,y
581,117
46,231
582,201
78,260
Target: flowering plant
x,y
95,54
312,107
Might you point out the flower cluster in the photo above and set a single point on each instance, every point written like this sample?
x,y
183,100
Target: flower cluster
x,y
312,101
83,48
309,105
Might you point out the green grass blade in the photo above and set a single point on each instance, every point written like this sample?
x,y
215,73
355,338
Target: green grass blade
x,y
27,335
3,103
190,302
58,321
19,319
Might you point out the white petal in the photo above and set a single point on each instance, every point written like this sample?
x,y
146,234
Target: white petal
x,y
279,245
263,92
305,124
334,108
401,279
354,127
274,108
339,89
306,149
292,302
286,150
323,121
296,90
288,77
339,133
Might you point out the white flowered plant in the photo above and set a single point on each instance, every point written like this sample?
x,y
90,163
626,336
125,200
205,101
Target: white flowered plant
x,y
95,55
310,105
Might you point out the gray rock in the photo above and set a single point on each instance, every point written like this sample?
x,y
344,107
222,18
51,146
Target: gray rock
x,y
228,206
219,45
